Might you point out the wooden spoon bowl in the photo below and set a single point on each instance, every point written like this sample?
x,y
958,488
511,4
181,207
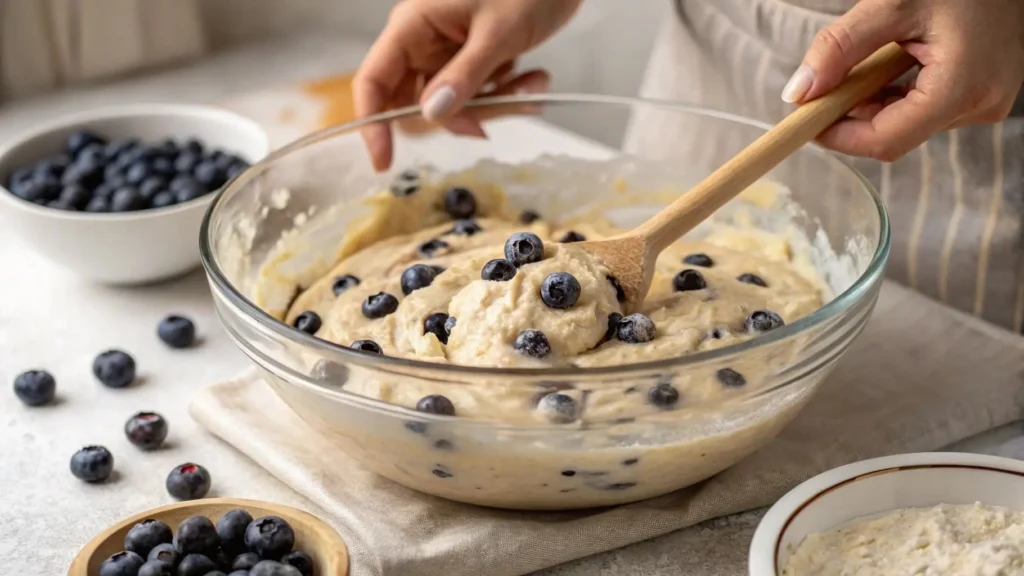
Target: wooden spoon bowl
x,y
312,535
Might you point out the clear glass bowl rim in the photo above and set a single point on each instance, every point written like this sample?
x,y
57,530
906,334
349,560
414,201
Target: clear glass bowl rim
x,y
835,307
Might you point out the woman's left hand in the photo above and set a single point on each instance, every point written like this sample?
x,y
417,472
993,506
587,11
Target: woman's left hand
x,y
972,67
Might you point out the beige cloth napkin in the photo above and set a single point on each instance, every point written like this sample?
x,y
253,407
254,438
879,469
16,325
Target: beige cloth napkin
x,y
920,377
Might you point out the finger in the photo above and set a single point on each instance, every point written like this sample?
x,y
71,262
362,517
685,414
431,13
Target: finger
x,y
486,48
900,126
840,46
530,82
870,108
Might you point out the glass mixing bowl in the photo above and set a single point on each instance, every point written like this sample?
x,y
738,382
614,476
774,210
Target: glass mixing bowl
x,y
278,227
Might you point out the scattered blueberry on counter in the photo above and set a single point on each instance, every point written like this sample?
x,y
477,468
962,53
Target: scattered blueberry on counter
x,y
147,430
188,482
35,387
92,464
177,331
114,368
94,175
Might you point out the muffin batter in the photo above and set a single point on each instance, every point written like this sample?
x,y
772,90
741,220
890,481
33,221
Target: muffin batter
x,y
429,278
944,540
440,272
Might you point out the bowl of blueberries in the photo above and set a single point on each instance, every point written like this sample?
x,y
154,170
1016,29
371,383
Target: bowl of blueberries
x,y
118,195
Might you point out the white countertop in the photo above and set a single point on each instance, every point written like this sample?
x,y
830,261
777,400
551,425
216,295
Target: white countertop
x,y
54,321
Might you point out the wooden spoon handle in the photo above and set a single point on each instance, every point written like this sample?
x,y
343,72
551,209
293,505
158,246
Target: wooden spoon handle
x,y
798,128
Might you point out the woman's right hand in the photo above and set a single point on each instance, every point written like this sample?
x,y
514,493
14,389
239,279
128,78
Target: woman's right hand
x,y
442,53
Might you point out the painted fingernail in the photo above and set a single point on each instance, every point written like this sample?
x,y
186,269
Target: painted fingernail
x,y
439,103
798,85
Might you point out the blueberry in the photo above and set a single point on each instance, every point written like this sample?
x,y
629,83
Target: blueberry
x,y
79,139
271,568
498,270
528,217
162,200
763,321
449,324
636,328
239,573
188,482
247,560
35,387
147,430
434,324
92,464
127,199
343,283
308,322
440,472
415,277
122,564
699,259
52,167
465,227
152,186
620,294
138,172
523,248
104,190
663,395
165,553
44,187
270,537
163,166
748,278
231,531
146,535
560,290
88,173
75,196
176,331
613,326
98,205
689,280
95,152
436,404
731,378
114,368
60,205
299,560
236,170
459,203
367,346
186,162
379,305
572,236
188,193
196,535
196,565
117,147
193,146
404,188
156,568
558,408
432,248
532,343
209,175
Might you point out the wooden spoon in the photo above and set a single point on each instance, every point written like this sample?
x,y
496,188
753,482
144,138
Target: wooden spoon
x,y
631,256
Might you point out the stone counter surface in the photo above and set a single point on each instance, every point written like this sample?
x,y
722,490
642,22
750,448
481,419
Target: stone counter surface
x,y
44,505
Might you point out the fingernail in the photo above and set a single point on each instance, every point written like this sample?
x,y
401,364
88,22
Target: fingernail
x,y
439,103
798,85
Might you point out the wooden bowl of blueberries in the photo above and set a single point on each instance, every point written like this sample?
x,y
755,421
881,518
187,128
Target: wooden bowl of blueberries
x,y
118,195
215,537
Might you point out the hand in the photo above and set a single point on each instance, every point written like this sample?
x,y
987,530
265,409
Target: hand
x,y
972,65
441,53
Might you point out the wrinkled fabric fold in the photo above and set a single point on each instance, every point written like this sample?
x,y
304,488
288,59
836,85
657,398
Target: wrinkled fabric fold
x,y
920,377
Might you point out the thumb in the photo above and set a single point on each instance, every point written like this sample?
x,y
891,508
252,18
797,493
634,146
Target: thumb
x,y
485,49
840,46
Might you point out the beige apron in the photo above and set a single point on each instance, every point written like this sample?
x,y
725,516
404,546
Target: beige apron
x,y
956,203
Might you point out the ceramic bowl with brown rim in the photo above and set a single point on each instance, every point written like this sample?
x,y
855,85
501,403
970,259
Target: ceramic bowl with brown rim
x,y
873,487
312,535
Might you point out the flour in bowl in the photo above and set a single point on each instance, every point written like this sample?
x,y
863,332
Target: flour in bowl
x,y
946,540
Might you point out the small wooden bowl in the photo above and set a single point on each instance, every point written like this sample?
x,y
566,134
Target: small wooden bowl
x,y
312,535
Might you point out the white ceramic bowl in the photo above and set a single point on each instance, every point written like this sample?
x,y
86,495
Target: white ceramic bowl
x,y
877,486
133,247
